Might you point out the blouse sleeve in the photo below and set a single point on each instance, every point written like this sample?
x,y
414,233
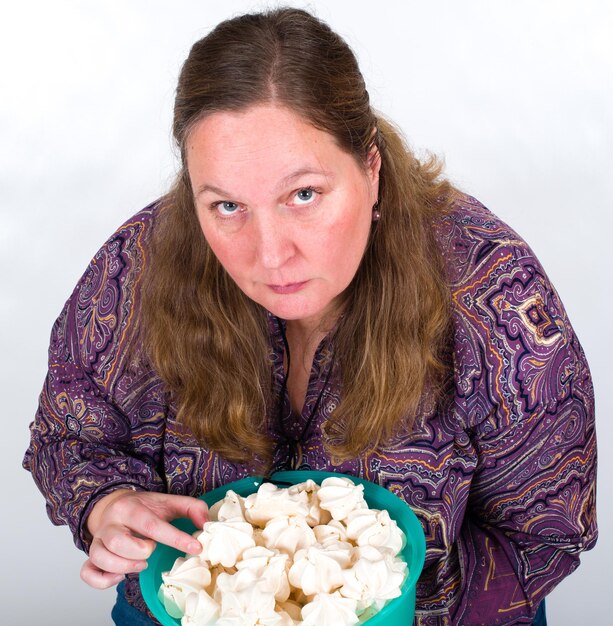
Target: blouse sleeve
x,y
529,412
84,439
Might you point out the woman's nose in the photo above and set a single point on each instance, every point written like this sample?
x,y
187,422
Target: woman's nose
x,y
275,244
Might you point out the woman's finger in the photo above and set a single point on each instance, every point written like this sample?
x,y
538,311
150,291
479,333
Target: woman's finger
x,y
196,510
105,560
119,540
97,578
148,524
169,507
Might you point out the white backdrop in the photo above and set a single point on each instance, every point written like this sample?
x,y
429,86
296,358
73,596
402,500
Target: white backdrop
x,y
517,96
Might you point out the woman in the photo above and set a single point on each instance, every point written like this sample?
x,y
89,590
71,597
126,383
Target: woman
x,y
309,295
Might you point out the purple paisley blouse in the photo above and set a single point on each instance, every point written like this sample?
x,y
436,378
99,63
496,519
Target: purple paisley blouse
x,y
502,481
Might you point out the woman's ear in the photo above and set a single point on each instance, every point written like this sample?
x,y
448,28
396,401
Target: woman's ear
x,y
373,165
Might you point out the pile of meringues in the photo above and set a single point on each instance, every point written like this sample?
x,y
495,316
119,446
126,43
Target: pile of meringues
x,y
309,554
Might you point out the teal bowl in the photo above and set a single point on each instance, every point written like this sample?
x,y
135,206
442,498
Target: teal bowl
x,y
397,612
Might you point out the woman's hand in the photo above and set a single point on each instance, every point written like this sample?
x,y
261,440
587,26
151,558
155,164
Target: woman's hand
x,y
125,527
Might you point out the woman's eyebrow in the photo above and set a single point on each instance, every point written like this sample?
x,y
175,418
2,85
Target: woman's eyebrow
x,y
210,188
305,171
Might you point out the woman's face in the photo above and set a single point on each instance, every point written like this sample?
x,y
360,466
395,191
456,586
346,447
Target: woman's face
x,y
284,209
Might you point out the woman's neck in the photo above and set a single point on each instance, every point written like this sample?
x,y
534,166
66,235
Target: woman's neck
x,y
302,341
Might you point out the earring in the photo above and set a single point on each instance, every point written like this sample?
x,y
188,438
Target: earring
x,y
376,214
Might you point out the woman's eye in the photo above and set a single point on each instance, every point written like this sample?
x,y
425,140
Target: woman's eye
x,y
305,196
226,208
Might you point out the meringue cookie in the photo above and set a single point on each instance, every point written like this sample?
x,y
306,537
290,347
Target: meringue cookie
x,y
374,577
269,501
200,610
314,571
375,528
329,610
316,514
173,600
270,567
341,551
288,534
340,496
231,507
243,596
332,530
224,542
257,558
308,486
188,575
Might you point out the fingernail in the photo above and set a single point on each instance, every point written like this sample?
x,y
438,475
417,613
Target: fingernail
x,y
194,547
139,567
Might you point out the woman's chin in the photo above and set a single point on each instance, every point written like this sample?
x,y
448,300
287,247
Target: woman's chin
x,y
293,308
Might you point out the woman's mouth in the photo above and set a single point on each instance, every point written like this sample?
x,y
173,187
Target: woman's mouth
x,y
288,287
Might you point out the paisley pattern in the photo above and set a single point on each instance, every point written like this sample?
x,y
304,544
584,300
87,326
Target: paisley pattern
x,y
502,481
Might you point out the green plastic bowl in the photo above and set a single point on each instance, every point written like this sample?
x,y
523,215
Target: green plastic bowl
x,y
398,612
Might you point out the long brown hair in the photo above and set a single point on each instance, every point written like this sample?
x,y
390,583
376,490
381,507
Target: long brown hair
x,y
208,341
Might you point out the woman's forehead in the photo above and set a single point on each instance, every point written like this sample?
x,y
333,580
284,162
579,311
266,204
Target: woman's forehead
x,y
267,141
255,123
